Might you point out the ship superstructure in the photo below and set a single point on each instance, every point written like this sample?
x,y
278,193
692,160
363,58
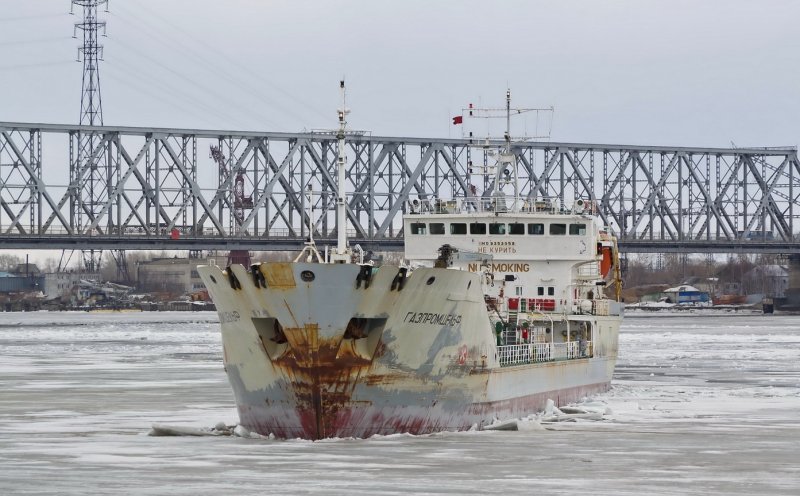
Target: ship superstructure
x,y
501,306
544,269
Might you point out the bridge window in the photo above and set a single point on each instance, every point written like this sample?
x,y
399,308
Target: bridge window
x,y
437,228
536,229
477,228
495,228
551,291
540,291
516,228
558,229
418,228
579,229
458,228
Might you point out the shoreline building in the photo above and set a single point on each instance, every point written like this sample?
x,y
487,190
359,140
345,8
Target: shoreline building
x,y
171,275
686,295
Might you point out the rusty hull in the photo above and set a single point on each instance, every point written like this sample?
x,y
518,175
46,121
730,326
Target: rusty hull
x,y
336,356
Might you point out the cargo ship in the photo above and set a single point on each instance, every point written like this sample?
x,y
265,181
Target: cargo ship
x,y
504,301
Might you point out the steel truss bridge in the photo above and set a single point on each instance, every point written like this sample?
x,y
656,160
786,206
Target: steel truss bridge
x,y
147,188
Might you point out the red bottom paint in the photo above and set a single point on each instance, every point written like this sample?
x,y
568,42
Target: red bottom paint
x,y
362,421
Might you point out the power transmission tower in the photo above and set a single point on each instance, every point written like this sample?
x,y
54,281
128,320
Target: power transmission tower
x,y
90,176
92,53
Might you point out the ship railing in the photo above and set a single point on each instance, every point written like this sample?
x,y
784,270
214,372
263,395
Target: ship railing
x,y
527,353
542,352
569,350
479,204
514,354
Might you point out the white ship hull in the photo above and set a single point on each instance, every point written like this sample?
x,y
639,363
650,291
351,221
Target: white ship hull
x,y
312,352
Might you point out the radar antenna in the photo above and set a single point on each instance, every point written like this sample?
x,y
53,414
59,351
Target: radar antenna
x,y
506,168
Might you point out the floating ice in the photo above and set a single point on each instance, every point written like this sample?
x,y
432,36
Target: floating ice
x,y
504,425
177,430
551,414
220,429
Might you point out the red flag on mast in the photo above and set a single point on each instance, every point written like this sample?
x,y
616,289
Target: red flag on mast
x,y
459,119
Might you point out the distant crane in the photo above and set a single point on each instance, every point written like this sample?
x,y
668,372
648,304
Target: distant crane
x,y
241,202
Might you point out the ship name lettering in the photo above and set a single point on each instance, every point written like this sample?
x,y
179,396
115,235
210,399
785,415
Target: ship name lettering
x,y
502,267
442,319
227,317
508,247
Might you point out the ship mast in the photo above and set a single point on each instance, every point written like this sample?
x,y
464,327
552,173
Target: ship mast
x,y
506,168
342,254
508,120
506,157
506,163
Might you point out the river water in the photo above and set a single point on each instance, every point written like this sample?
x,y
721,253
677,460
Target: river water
x,y
700,404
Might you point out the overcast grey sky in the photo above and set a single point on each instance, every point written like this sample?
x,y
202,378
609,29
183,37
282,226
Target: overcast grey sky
x,y
674,72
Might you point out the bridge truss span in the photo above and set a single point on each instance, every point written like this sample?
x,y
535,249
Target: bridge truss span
x,y
163,190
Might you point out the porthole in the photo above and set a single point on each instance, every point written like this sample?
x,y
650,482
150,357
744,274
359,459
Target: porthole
x,y
212,279
307,276
430,280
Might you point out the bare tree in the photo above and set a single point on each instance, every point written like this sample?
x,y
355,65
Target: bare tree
x,y
8,261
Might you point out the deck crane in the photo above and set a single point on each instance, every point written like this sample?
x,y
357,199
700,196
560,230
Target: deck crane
x,y
241,202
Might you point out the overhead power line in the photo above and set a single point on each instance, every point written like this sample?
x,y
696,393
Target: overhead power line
x,y
34,65
34,17
35,41
221,57
191,82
